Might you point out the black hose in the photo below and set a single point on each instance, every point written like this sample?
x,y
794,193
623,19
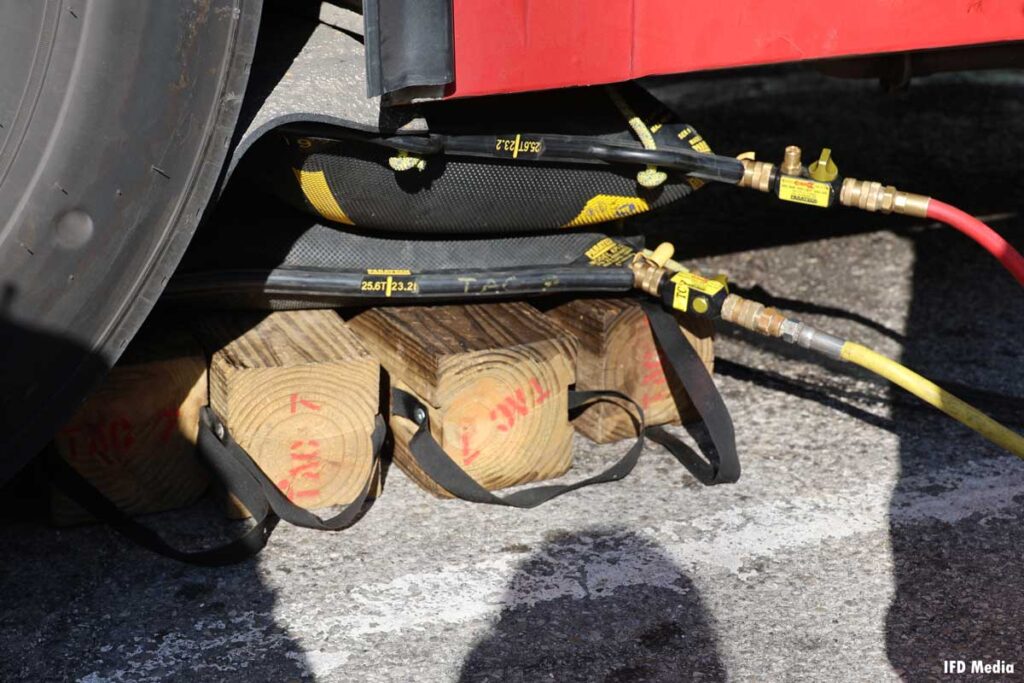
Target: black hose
x,y
544,148
258,288
580,149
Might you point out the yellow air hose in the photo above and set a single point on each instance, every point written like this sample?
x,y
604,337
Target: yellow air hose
x,y
934,395
758,318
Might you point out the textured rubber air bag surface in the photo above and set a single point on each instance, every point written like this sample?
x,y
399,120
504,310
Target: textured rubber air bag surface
x,y
260,253
350,181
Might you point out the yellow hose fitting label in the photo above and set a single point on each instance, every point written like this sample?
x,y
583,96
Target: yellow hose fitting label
x,y
607,253
804,191
680,296
608,207
702,284
692,286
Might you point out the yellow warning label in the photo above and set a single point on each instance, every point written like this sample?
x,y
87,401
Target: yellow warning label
x,y
699,283
607,207
803,191
607,253
318,194
680,296
685,283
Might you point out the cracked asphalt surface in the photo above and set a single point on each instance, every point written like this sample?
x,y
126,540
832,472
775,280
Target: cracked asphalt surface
x,y
869,538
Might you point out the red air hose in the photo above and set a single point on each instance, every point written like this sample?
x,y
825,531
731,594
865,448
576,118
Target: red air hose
x,y
980,233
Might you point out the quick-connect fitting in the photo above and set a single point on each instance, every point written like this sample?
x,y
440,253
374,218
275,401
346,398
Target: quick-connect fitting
x,y
752,315
759,318
873,196
647,275
757,175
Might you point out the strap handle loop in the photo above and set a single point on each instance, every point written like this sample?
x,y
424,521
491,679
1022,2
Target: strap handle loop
x,y
440,467
240,475
722,464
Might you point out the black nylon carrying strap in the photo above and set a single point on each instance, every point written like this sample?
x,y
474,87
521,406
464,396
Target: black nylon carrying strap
x,y
437,464
240,475
223,450
723,464
79,489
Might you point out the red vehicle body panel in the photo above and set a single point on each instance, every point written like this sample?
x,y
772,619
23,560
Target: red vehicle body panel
x,y
515,45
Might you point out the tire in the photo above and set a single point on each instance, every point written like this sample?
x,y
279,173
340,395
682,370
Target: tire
x,y
115,121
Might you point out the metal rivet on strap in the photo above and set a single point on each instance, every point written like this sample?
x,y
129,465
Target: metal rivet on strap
x,y
419,416
218,430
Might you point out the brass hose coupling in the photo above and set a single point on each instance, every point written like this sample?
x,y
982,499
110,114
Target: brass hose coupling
x,y
769,322
649,268
752,315
757,175
873,196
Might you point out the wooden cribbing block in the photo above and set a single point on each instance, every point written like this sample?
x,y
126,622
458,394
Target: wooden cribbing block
x,y
134,437
495,379
299,393
617,351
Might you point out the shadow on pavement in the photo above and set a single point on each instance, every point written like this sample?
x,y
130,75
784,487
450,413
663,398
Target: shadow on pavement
x,y
82,604
631,614
958,588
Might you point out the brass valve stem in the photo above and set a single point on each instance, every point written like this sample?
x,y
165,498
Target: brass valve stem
x,y
792,163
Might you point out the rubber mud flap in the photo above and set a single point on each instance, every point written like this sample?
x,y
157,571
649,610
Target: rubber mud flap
x,y
115,121
409,44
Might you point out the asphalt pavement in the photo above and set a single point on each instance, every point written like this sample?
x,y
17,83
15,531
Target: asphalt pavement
x,y
869,538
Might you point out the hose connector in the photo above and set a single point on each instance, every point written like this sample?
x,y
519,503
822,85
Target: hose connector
x,y
647,275
873,196
759,318
752,316
796,332
757,175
